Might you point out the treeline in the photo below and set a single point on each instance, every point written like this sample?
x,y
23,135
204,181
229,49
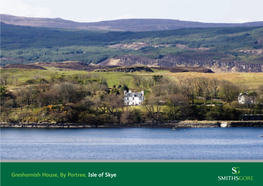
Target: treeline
x,y
87,54
88,99
27,37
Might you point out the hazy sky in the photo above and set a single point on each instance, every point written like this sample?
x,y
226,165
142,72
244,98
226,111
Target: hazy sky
x,y
213,11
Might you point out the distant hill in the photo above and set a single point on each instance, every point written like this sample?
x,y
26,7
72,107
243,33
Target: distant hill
x,y
221,49
134,25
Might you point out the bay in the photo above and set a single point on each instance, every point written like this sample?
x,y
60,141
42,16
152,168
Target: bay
x,y
132,144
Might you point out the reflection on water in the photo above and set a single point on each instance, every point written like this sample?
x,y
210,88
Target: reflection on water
x,y
131,144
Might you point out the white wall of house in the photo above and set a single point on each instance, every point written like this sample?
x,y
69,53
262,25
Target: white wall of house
x,y
243,98
133,98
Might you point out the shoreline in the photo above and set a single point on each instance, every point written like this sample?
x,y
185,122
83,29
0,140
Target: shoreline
x,y
168,124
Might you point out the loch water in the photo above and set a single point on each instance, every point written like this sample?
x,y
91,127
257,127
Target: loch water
x,y
242,143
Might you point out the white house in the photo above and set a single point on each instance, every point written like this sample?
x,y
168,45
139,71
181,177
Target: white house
x,y
133,98
243,98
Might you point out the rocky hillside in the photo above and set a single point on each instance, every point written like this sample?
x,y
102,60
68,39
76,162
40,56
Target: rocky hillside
x,y
181,61
117,25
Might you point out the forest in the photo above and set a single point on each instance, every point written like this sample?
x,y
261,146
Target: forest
x,y
21,44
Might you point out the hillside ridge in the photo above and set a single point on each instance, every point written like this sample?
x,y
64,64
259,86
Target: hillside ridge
x,y
182,62
134,25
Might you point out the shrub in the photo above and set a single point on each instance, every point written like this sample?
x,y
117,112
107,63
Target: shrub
x,y
30,82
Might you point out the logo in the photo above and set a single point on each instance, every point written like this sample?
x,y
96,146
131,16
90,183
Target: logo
x,y
235,170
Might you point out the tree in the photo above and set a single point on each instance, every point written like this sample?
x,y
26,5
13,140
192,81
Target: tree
x,y
96,101
124,84
113,102
21,97
153,107
229,91
201,87
170,88
114,91
166,86
2,91
31,95
260,89
136,115
205,89
157,78
137,80
68,92
9,104
213,86
187,89
84,117
147,83
124,88
253,97
48,98
157,90
126,117
5,78
15,79
259,103
6,110
177,106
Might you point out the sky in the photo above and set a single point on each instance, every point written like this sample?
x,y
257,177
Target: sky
x,y
209,11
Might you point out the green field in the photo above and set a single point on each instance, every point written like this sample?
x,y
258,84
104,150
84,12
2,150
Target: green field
x,y
113,78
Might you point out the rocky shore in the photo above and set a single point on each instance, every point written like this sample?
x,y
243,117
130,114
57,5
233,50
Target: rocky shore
x,y
167,124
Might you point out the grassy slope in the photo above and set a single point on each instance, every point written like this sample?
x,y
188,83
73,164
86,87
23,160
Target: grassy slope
x,y
251,80
112,77
26,74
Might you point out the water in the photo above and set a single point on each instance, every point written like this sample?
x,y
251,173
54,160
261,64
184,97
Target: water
x,y
131,144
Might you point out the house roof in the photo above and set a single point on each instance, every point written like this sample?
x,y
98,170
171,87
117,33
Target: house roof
x,y
133,94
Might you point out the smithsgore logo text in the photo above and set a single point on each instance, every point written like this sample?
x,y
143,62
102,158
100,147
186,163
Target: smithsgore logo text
x,y
235,170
